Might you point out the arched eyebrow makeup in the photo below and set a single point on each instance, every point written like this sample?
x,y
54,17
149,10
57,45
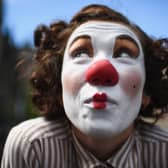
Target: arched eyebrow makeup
x,y
128,44
123,44
86,37
81,44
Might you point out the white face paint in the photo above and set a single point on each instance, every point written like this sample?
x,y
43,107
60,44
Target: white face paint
x,y
122,101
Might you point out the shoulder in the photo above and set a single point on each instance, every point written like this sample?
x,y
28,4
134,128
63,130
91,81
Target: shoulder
x,y
41,128
33,133
153,133
26,141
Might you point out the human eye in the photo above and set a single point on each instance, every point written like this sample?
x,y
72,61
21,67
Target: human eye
x,y
79,53
81,47
124,53
125,47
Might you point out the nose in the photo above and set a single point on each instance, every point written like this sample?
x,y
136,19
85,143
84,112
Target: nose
x,y
102,73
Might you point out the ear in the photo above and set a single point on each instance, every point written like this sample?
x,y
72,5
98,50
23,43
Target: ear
x,y
146,100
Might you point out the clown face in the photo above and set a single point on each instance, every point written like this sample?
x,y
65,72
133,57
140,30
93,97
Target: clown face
x,y
102,78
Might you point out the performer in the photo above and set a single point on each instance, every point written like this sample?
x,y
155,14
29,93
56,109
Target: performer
x,y
94,79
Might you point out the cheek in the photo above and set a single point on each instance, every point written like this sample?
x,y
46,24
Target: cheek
x,y
72,82
131,82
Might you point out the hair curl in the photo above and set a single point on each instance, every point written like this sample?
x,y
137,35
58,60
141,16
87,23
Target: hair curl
x,y
50,43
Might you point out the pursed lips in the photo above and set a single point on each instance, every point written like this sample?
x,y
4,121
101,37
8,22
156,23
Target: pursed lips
x,y
99,101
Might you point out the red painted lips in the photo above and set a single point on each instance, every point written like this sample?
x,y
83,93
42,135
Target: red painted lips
x,y
99,100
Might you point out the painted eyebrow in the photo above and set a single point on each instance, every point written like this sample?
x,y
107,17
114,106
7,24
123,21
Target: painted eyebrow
x,y
79,37
126,37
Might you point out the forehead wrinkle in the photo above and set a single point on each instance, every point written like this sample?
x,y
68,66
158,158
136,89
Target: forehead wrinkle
x,y
94,28
101,25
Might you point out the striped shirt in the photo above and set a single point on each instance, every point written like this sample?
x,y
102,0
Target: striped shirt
x,y
38,143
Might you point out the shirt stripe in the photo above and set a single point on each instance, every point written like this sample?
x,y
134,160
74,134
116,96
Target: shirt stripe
x,y
38,143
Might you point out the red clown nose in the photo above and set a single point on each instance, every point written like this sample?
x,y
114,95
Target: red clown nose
x,y
102,73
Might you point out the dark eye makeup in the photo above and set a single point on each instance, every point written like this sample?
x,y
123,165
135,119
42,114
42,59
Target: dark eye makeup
x,y
81,47
125,46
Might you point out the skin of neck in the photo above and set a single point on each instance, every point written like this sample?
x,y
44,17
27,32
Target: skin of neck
x,y
103,148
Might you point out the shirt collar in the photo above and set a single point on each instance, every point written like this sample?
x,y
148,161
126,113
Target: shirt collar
x,y
86,159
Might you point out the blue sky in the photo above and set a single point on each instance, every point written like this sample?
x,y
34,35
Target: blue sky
x,y
22,16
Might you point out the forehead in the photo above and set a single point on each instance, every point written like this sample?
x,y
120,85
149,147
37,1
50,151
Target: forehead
x,y
99,30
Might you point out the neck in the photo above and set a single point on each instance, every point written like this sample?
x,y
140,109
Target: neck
x,y
103,148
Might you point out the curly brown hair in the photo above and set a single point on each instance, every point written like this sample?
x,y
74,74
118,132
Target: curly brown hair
x,y
50,43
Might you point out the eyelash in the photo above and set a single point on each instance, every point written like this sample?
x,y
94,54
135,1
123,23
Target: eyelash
x,y
117,54
78,52
120,51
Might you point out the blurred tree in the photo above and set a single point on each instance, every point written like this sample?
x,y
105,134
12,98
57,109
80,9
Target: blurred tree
x,y
7,80
13,98
1,12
